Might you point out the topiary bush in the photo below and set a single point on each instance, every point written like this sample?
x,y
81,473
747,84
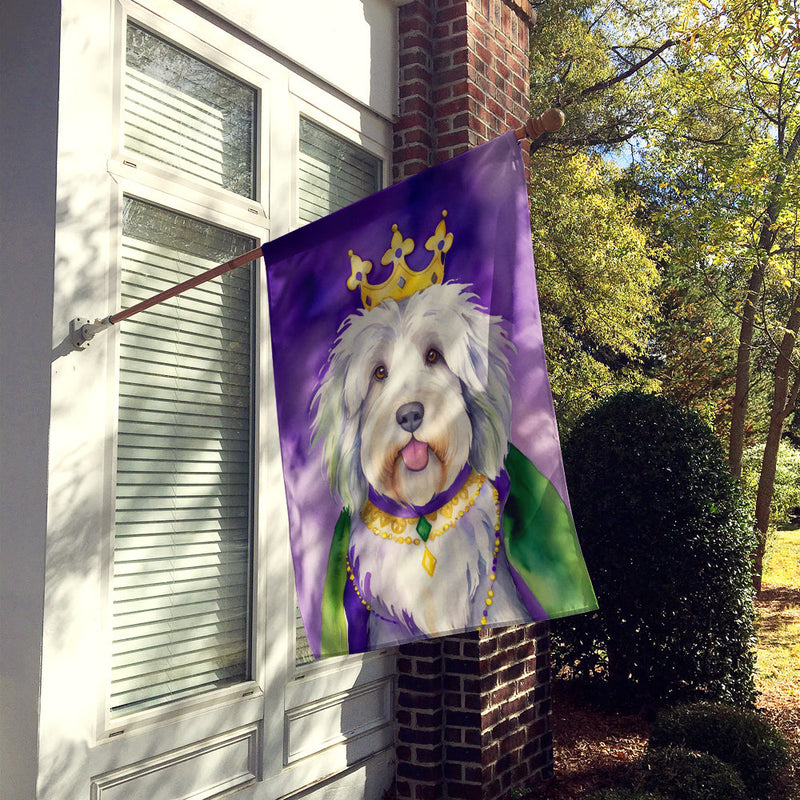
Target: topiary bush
x,y
741,738
667,541
683,774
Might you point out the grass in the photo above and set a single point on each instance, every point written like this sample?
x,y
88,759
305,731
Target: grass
x,y
782,559
778,648
778,624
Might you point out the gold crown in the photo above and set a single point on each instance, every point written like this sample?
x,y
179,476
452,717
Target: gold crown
x,y
403,281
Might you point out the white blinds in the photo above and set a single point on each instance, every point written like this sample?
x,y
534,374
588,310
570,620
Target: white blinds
x,y
185,113
182,543
182,528
333,173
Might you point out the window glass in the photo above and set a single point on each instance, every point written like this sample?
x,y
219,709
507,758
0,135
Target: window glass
x,y
183,533
333,173
185,113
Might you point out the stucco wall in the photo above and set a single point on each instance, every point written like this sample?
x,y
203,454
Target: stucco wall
x,y
29,54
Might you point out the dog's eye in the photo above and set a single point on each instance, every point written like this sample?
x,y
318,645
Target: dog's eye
x,y
380,372
433,355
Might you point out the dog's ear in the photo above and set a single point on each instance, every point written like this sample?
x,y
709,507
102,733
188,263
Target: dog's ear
x,y
477,351
336,424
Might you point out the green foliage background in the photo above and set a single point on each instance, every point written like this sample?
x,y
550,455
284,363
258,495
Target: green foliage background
x,y
666,211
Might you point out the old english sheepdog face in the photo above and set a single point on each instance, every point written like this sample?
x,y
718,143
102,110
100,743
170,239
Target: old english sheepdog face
x,y
414,390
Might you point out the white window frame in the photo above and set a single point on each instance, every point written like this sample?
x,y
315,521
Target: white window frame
x,y
313,687
137,177
271,711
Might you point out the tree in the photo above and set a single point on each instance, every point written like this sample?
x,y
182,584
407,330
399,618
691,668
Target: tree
x,y
597,60
596,282
727,150
596,278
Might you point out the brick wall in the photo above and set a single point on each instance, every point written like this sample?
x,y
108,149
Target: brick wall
x,y
473,714
473,711
463,77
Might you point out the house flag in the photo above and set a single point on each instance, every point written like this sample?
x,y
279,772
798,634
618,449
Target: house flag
x,y
421,461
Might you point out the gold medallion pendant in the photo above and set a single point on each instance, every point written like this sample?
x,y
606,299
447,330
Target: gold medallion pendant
x,y
427,527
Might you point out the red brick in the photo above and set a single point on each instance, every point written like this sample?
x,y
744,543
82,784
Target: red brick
x,y
501,694
417,103
416,40
419,736
457,11
428,719
424,684
455,735
459,25
419,73
458,103
409,56
442,93
490,714
444,125
471,56
511,671
421,701
453,772
515,706
464,791
414,88
429,755
430,773
452,699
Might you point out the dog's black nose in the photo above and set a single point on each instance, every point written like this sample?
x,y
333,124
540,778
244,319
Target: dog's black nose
x,y
409,416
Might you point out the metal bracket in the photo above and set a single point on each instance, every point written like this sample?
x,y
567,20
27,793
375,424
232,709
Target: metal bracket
x,y
82,330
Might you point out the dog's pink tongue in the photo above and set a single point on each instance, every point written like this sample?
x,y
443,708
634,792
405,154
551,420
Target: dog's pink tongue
x,y
415,455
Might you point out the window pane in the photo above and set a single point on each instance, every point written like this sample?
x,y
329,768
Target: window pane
x,y
333,173
182,112
182,542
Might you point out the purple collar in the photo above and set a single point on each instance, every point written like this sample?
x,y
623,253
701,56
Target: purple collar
x,y
389,506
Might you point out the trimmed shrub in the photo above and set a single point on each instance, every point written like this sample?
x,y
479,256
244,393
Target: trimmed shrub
x,y
741,738
683,774
667,540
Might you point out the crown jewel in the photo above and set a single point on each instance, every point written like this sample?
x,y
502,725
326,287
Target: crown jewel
x,y
403,281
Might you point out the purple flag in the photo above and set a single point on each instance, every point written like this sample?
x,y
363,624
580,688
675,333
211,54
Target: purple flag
x,y
420,454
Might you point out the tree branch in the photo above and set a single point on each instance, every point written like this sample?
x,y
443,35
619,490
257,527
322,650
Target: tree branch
x,y
601,86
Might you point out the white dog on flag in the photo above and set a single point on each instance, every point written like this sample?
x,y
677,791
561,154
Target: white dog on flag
x,y
414,412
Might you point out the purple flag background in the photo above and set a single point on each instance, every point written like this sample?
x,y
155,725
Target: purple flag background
x,y
485,194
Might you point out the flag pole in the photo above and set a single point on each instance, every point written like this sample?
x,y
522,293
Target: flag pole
x,y
534,127
82,331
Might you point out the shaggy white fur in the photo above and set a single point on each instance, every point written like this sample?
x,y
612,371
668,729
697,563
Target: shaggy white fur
x,y
414,390
406,601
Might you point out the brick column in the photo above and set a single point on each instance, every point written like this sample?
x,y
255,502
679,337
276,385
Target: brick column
x,y
463,77
473,711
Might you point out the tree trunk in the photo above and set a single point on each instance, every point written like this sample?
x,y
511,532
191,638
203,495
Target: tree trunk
x,y
742,388
766,240
784,398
